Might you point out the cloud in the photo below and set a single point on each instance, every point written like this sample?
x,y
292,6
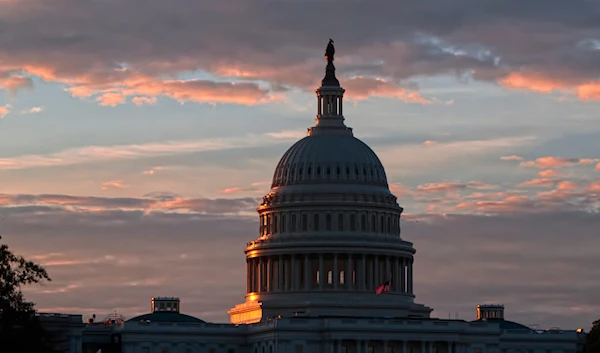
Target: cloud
x,y
429,143
12,82
107,47
436,188
113,184
4,109
95,154
511,158
360,88
597,166
33,110
543,182
549,173
556,162
111,99
149,203
139,101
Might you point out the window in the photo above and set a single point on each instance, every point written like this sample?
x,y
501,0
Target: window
x,y
283,219
316,222
373,224
230,350
165,350
363,223
293,225
341,221
188,350
298,348
212,350
330,277
275,225
352,222
145,350
328,222
341,279
304,223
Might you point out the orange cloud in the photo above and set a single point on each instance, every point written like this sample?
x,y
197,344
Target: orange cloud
x,y
593,186
429,143
543,182
597,167
111,99
585,91
143,100
549,173
435,188
4,109
566,185
360,88
13,83
556,162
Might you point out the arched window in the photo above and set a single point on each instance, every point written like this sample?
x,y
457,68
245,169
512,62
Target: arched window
x,y
381,224
268,225
352,222
304,222
328,222
316,222
340,222
341,279
283,225
363,223
330,277
275,224
294,224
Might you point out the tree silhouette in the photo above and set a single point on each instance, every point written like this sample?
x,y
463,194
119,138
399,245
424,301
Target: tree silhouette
x,y
592,340
20,328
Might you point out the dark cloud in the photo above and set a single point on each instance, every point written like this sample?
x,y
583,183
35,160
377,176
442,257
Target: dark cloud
x,y
99,45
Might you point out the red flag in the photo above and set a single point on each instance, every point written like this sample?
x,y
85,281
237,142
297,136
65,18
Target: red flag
x,y
384,287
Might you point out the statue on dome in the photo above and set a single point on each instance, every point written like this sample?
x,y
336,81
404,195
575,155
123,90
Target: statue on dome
x,y
330,52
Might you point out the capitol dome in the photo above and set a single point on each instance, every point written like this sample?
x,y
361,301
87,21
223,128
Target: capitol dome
x,y
329,158
329,229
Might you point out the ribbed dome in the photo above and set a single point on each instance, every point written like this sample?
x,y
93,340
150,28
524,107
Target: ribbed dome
x,y
329,158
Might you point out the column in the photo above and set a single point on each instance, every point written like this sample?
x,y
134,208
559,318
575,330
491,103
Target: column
x,y
335,276
376,274
385,346
294,276
269,277
363,274
322,277
387,269
449,350
348,274
430,347
423,347
280,274
307,275
410,276
359,346
397,274
403,346
403,274
247,275
286,277
339,346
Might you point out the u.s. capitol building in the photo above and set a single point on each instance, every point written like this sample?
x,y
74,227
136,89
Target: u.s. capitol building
x,y
329,237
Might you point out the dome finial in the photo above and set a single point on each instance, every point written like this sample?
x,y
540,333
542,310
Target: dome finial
x,y
330,52
330,79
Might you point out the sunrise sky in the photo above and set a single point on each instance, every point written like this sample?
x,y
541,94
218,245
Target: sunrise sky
x,y
137,137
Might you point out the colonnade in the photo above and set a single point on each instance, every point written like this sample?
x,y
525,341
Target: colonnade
x,y
337,271
385,346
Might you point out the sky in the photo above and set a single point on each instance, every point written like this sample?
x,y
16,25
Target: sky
x,y
137,138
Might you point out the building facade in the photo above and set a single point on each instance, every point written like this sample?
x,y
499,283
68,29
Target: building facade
x,y
329,237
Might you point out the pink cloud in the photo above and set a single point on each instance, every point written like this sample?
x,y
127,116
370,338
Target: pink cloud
x,y
113,184
511,158
566,185
111,99
4,109
429,143
543,182
435,188
360,88
555,162
13,83
584,91
549,173
139,101
597,167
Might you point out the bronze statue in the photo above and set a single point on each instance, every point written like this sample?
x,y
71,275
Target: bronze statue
x,y
330,52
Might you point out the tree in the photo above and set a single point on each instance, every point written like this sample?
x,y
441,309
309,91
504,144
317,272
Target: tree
x,y
592,340
19,327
